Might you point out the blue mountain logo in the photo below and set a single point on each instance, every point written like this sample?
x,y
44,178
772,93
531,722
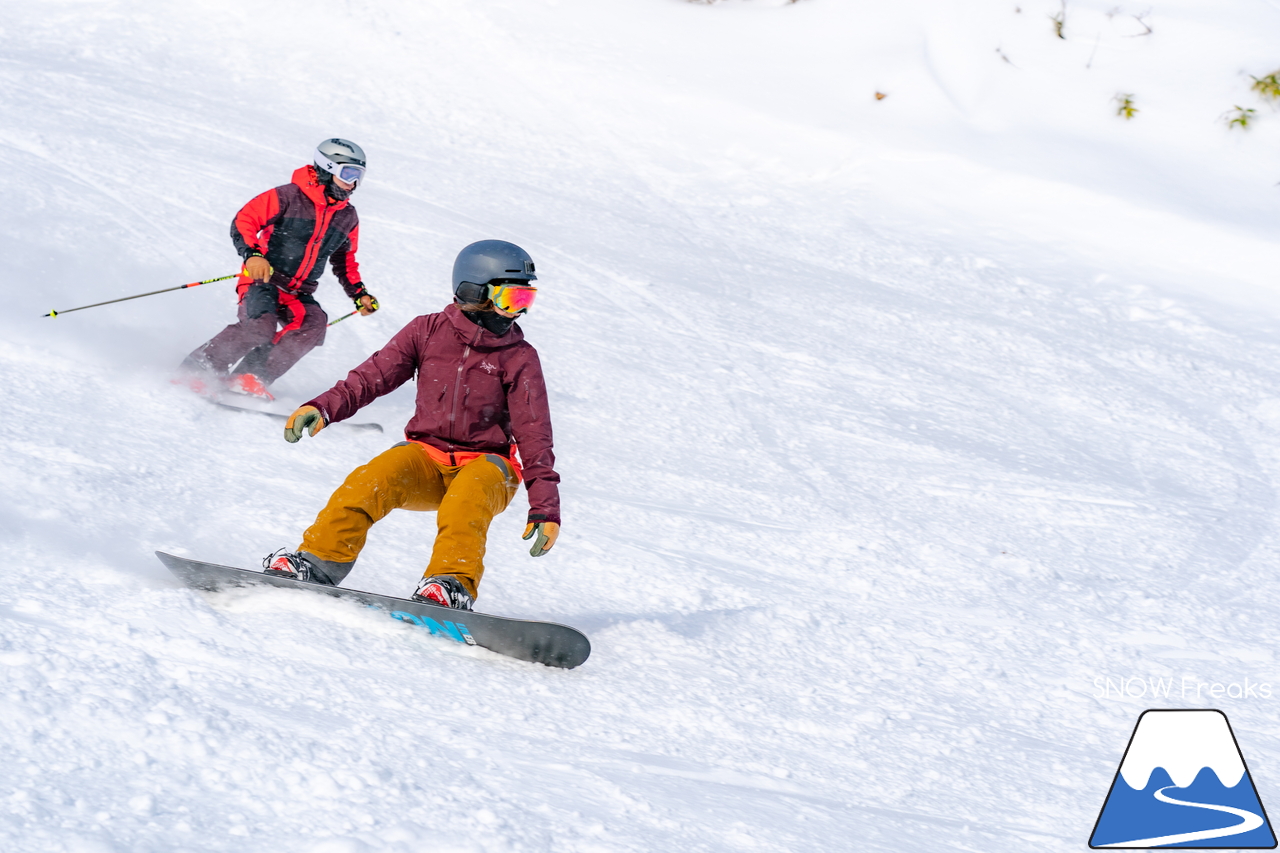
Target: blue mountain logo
x,y
1183,783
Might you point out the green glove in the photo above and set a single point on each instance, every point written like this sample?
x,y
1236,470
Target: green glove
x,y
307,419
547,532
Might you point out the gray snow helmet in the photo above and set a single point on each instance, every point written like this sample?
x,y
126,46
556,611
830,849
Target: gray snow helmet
x,y
488,261
339,158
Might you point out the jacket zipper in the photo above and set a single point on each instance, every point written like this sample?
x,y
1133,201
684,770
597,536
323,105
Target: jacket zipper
x,y
317,237
457,390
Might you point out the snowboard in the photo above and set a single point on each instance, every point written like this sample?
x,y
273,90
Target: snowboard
x,y
538,642
283,417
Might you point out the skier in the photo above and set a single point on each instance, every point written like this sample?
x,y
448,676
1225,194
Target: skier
x,y
480,396
284,236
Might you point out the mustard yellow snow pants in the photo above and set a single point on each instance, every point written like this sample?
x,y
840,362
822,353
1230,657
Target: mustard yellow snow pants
x,y
465,499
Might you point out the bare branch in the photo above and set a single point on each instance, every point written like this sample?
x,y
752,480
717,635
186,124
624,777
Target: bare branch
x,y
1142,19
1060,21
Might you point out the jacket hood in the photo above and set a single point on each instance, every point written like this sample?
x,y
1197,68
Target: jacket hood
x,y
478,336
305,178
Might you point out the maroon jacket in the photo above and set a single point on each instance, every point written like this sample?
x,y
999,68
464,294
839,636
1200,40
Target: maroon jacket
x,y
477,392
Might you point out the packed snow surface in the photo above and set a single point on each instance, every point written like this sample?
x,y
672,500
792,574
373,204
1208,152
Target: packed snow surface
x,y
911,446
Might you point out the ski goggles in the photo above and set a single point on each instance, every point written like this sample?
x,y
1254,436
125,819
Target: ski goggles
x,y
512,298
345,172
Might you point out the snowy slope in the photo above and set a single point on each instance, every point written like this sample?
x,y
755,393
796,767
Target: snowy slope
x,y
886,427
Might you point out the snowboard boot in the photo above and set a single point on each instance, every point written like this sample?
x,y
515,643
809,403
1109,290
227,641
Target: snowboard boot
x,y
445,590
250,386
287,564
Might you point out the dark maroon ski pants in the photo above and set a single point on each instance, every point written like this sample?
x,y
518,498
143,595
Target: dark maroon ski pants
x,y
249,342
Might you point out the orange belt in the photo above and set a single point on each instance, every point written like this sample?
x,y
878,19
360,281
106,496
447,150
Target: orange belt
x,y
458,459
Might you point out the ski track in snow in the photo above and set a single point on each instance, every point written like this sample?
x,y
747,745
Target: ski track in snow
x,y
885,427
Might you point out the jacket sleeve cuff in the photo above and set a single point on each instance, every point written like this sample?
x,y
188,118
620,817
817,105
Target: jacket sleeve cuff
x,y
320,407
536,517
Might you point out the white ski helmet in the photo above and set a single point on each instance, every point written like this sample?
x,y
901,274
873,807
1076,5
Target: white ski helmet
x,y
340,158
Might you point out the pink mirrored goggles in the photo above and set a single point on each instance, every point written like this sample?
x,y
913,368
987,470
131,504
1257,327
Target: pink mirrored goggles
x,y
512,298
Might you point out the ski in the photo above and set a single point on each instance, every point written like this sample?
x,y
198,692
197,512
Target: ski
x,y
546,643
281,417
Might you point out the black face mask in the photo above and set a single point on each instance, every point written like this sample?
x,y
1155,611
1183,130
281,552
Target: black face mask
x,y
332,190
490,321
336,193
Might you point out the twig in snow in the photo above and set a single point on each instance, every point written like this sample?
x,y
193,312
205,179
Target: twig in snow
x,y
1060,21
1141,19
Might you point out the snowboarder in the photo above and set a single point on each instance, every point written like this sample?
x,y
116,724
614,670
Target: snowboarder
x,y
480,396
284,236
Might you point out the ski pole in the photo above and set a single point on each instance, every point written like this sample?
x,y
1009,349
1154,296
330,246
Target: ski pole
x,y
343,317
140,295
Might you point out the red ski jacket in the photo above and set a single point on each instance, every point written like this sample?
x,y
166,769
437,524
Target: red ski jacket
x,y
297,228
477,392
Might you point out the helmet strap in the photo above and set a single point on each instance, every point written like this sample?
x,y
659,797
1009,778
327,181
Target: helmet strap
x,y
471,293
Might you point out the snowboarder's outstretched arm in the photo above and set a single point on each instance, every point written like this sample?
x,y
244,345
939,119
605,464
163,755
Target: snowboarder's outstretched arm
x,y
527,404
381,373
